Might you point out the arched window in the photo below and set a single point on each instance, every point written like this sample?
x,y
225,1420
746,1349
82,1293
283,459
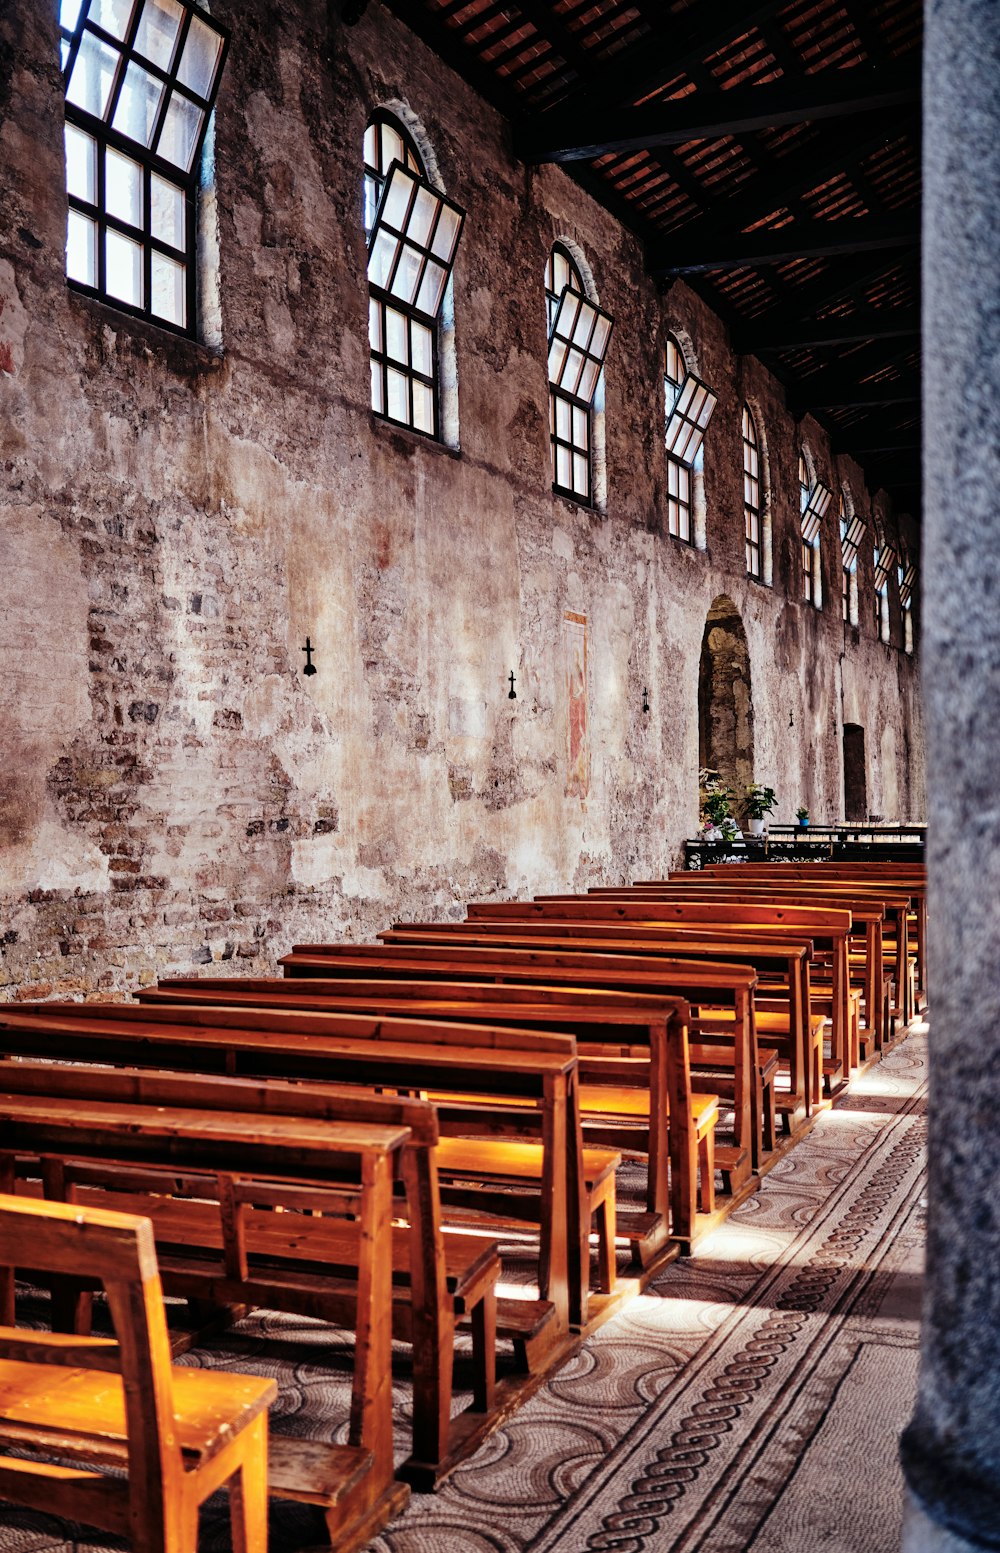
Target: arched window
x,y
883,559
852,531
751,494
412,232
814,499
688,406
907,573
140,78
578,334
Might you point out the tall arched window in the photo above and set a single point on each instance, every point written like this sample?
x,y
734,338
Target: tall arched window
x,y
852,531
751,494
412,232
883,559
141,77
907,573
688,406
814,499
578,334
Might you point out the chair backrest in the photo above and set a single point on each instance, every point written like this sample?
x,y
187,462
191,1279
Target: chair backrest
x,y
117,1248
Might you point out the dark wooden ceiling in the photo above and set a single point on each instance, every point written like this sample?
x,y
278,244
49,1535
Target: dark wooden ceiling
x,y
768,153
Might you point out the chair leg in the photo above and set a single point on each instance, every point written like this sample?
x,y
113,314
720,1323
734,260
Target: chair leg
x,y
248,1492
706,1171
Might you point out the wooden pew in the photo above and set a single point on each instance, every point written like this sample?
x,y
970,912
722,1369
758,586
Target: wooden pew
x,y
408,1055
785,959
571,967
596,1016
255,1162
174,1435
825,927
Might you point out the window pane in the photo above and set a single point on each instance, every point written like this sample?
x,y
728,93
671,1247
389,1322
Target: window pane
x,y
158,28
399,399
588,381
90,84
81,164
382,256
580,473
397,201
395,335
69,14
599,343
371,147
564,472
371,203
375,324
123,188
421,345
377,388
392,147
180,132
580,419
557,355
421,216
135,114
81,249
168,217
562,407
446,235
123,267
423,407
407,276
200,58
572,370
432,289
169,289
584,325
113,15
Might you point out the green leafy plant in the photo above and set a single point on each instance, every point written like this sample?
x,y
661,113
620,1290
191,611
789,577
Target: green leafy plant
x,y
759,800
802,815
715,796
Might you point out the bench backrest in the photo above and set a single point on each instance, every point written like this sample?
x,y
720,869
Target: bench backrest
x,y
820,919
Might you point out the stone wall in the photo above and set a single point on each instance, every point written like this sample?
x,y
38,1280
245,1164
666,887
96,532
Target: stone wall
x,y
177,520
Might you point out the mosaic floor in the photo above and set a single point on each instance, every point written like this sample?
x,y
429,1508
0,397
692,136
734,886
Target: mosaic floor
x,y
751,1399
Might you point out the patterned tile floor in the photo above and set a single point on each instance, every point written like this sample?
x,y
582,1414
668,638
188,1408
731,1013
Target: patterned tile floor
x,y
751,1399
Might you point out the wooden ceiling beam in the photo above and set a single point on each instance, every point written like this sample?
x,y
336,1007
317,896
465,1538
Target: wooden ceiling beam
x,y
682,255
831,94
801,333
842,392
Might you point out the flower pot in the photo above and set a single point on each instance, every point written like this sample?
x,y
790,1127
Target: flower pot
x,y
757,825
803,824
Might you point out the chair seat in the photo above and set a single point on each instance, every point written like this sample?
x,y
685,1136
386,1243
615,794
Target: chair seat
x,y
620,1100
85,1409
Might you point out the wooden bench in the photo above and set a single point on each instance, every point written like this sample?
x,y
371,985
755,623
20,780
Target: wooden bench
x,y
687,1141
408,1056
727,985
256,1164
174,1436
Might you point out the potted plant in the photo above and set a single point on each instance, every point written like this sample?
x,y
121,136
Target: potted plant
x,y
718,824
759,801
802,818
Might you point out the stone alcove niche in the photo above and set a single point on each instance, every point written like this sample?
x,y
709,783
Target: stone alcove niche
x,y
725,700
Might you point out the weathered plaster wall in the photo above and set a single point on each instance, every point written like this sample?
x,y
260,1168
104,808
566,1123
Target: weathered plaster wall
x,y
175,522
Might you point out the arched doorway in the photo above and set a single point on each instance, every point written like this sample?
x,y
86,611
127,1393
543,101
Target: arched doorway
x,y
725,701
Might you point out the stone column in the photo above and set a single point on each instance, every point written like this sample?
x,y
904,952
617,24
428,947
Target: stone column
x,y
951,1450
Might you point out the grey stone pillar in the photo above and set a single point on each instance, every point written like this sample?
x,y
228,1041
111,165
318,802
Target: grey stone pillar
x,y
951,1450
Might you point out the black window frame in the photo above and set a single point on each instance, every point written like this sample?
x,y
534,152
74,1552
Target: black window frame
x,y
578,410
752,504
101,130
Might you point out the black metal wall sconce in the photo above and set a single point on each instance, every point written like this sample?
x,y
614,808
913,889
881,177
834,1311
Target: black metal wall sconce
x,y
645,702
308,649
512,693
791,719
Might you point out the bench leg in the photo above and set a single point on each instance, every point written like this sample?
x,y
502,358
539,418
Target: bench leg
x,y
484,1353
706,1172
605,1216
248,1492
770,1127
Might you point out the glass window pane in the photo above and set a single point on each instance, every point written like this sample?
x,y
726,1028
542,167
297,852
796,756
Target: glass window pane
x,y
397,200
572,370
560,272
446,235
432,289
179,135
371,147
563,424
123,187
69,14
377,388
382,257
93,73
81,249
159,25
564,469
169,287
63,53
580,428
200,58
557,355
584,325
81,164
599,343
580,474
588,382
399,399
168,214
407,276
395,335
421,345
371,202
113,15
123,268
423,407
135,114
392,147
375,324
422,216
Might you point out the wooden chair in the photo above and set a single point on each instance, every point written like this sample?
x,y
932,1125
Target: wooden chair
x,y
99,1402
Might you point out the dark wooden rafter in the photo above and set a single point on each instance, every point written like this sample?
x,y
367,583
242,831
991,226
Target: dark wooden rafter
x,y
833,94
680,254
794,333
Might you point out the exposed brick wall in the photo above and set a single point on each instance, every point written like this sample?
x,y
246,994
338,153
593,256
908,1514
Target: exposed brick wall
x,y
173,791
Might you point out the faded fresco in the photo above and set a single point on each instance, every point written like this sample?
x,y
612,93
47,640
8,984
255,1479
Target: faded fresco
x,y
575,658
